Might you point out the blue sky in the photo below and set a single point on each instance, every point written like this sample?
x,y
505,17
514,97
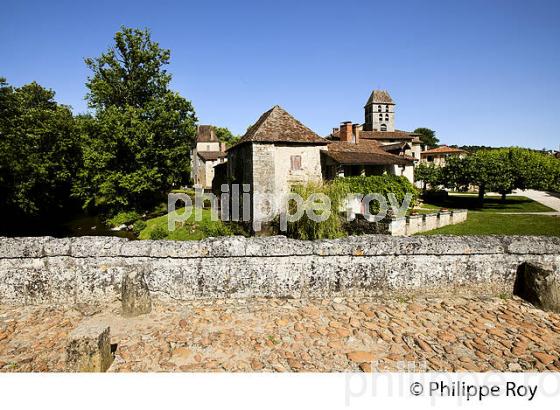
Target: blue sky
x,y
478,71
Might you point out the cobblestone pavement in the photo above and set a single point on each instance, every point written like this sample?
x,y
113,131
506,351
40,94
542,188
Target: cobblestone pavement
x,y
452,334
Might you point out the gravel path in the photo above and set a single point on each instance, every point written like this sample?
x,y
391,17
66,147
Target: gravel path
x,y
453,334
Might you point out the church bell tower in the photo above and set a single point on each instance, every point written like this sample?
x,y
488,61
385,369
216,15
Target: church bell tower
x,y
379,112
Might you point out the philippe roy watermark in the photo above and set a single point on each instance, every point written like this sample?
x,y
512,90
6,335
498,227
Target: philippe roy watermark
x,y
237,203
413,379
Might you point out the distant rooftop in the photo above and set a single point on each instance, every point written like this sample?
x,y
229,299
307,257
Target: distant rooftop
x,y
205,133
444,149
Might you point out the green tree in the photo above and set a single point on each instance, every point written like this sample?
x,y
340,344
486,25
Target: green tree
x,y
39,151
136,146
129,74
429,174
427,136
501,170
225,135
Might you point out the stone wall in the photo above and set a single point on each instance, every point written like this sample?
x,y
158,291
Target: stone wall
x,y
421,223
90,269
402,226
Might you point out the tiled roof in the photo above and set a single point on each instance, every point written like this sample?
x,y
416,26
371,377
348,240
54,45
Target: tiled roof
x,y
388,135
394,146
277,125
379,96
444,149
383,135
211,155
364,152
205,133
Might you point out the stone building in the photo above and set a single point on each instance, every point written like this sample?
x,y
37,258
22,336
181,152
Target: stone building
x,y
275,153
351,155
205,155
278,152
379,126
439,155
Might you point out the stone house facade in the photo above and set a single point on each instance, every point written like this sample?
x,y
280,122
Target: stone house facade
x,y
439,155
276,153
205,155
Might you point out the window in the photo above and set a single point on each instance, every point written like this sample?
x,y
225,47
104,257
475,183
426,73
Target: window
x,y
295,162
208,148
387,116
430,158
386,108
378,108
383,127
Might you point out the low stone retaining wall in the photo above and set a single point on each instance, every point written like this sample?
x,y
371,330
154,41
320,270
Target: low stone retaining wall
x,y
410,225
405,226
91,269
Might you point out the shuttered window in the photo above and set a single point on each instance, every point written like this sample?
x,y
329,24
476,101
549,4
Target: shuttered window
x,y
295,161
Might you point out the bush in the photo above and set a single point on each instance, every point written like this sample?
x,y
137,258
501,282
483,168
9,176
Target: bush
x,y
123,218
337,191
139,226
189,191
382,184
216,229
305,228
158,232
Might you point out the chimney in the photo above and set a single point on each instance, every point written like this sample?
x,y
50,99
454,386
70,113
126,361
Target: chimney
x,y
222,147
356,128
346,131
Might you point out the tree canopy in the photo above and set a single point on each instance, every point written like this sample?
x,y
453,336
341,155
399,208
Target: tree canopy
x,y
428,136
429,174
131,73
225,135
39,150
502,170
136,145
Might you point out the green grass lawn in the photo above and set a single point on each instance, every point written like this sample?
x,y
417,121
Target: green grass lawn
x,y
481,223
190,230
491,204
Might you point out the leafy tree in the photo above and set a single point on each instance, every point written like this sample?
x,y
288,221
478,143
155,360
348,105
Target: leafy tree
x,y
224,135
136,146
39,151
129,74
429,174
428,136
501,170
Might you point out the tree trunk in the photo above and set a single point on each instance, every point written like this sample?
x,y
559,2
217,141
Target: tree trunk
x,y
504,197
481,191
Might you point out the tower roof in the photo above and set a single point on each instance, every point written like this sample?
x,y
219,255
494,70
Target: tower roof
x,y
205,133
277,125
379,96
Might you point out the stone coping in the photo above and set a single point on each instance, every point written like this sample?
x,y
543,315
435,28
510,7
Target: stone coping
x,y
238,246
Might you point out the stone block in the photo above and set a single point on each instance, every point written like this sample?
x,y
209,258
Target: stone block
x,y
89,348
135,294
538,286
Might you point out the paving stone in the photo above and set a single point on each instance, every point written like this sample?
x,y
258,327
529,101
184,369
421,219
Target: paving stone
x,y
458,333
